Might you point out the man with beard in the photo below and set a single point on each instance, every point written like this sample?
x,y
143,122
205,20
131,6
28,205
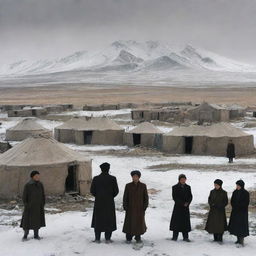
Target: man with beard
x,y
180,221
217,222
34,200
135,203
238,223
104,188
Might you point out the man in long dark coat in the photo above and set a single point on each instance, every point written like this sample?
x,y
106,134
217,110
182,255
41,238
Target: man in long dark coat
x,y
180,221
135,203
231,152
104,188
217,222
34,200
238,223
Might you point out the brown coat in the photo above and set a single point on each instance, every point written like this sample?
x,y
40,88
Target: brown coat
x,y
135,203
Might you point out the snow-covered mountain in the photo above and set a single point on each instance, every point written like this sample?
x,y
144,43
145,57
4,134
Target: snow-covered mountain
x,y
125,56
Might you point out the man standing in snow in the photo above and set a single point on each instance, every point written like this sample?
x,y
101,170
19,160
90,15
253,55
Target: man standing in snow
x,y
217,223
238,223
135,203
104,188
34,201
180,221
231,152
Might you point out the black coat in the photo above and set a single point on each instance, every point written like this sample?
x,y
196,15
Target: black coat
x,y
104,188
231,152
217,221
180,221
238,223
34,200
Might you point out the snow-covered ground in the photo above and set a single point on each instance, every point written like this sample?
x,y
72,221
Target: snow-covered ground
x,y
109,113
69,233
3,115
94,148
164,129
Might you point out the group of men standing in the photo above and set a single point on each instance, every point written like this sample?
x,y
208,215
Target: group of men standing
x,y
217,221
135,202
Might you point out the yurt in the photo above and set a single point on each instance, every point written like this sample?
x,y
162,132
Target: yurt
x,y
65,133
208,113
62,169
100,131
145,134
25,128
94,130
207,140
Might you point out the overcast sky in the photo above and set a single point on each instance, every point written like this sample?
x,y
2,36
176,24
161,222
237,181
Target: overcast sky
x,y
53,28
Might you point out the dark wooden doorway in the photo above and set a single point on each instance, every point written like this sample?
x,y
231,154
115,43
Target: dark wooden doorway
x,y
87,137
33,112
136,139
188,145
71,180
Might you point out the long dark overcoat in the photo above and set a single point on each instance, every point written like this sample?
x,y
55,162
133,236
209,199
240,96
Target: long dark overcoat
x,y
180,221
231,152
34,200
217,221
104,188
238,223
135,203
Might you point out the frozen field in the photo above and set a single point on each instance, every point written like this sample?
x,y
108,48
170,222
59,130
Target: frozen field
x,y
69,233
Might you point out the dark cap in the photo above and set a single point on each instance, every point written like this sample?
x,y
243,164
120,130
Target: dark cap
x,y
240,183
136,172
105,167
33,173
182,176
218,182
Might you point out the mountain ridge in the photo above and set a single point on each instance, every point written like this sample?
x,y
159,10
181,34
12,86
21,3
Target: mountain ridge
x,y
131,55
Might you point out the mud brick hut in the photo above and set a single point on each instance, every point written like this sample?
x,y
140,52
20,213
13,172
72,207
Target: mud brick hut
x,y
62,169
27,112
24,129
236,111
207,140
101,107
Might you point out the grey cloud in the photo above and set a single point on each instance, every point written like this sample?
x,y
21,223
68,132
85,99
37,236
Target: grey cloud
x,y
43,28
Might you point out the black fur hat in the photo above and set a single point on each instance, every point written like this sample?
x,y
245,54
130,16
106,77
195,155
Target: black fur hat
x,y
105,167
136,172
33,173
